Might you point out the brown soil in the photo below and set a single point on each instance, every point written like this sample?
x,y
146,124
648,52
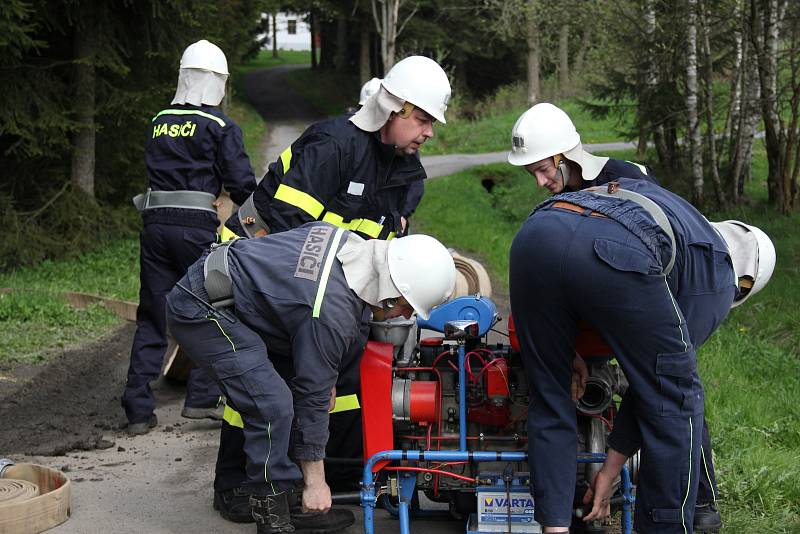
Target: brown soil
x,y
67,404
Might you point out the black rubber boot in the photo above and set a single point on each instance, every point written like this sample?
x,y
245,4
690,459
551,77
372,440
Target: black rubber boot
x,y
234,505
336,520
271,513
707,518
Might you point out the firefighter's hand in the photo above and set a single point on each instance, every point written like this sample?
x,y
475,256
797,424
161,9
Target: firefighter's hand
x,y
602,486
317,498
599,495
332,403
403,224
579,375
316,493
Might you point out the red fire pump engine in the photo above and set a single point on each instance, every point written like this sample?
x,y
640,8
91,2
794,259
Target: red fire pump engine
x,y
447,417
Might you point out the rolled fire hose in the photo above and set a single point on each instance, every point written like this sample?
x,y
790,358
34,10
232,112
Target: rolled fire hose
x,y
471,277
33,498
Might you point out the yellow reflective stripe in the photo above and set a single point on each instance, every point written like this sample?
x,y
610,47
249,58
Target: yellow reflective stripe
x,y
390,236
232,417
708,476
346,403
371,228
190,112
286,159
227,235
233,347
326,271
365,226
269,453
335,219
688,485
299,199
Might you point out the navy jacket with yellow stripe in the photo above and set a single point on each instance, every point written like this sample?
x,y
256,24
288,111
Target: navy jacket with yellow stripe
x,y
195,148
338,173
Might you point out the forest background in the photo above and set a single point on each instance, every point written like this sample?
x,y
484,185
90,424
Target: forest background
x,y
691,81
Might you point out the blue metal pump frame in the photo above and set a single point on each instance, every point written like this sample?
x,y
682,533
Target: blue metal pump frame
x,y
407,481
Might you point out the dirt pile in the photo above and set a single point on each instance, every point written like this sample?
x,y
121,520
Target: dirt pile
x,y
68,404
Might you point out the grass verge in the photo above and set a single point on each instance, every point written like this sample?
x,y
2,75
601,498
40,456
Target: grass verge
x,y
254,130
36,324
35,321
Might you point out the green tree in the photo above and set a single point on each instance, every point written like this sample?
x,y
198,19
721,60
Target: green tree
x,y
81,81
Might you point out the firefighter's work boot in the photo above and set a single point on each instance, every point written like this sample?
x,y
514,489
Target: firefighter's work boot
x,y
211,412
335,520
707,518
271,513
137,429
234,505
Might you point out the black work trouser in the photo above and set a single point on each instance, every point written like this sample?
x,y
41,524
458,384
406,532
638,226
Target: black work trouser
x,y
345,432
238,359
166,252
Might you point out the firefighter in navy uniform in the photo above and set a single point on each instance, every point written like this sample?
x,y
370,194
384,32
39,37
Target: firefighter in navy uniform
x,y
192,151
297,296
360,172
417,188
654,278
545,141
354,171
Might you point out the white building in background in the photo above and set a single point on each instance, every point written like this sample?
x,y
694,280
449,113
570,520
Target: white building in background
x,y
292,31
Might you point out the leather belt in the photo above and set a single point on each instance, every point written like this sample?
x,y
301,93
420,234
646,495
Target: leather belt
x,y
564,205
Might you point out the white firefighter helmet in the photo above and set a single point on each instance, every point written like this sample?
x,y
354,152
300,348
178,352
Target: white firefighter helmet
x,y
423,271
205,56
368,89
422,82
541,132
545,131
753,256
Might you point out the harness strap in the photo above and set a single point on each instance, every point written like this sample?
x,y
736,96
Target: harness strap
x,y
652,208
251,221
196,200
217,276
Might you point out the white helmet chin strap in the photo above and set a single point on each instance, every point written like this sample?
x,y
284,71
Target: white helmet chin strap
x,y
562,170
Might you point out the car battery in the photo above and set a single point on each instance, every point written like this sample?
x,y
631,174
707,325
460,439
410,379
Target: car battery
x,y
499,505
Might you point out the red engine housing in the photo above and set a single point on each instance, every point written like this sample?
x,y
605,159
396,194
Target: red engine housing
x,y
376,400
